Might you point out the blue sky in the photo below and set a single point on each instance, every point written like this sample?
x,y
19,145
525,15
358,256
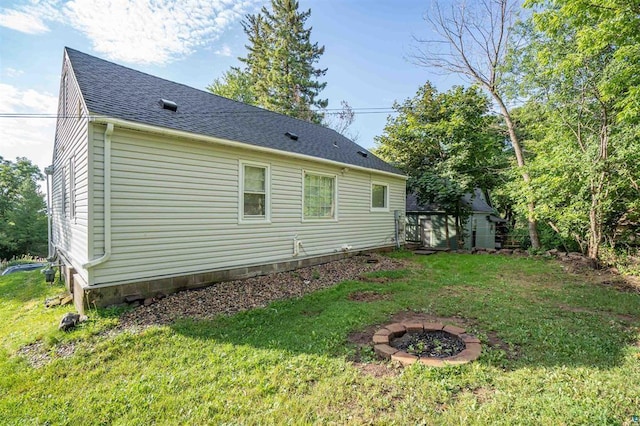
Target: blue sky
x,y
368,43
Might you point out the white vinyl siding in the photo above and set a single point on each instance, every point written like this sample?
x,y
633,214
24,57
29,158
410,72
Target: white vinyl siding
x,y
254,196
379,197
319,194
70,195
175,209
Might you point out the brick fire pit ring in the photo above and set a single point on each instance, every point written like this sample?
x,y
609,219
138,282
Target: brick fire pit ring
x,y
383,337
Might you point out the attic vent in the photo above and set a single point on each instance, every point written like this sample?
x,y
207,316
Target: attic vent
x,y
363,153
291,136
170,105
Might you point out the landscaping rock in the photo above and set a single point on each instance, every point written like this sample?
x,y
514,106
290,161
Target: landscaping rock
x,y
148,301
52,301
230,297
68,321
132,298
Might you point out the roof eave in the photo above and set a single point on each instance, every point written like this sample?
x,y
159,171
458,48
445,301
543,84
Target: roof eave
x,y
132,125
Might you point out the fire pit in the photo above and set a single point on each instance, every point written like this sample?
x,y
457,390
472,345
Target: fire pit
x,y
432,344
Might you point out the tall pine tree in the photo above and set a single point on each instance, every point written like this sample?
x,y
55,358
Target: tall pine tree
x,y
280,65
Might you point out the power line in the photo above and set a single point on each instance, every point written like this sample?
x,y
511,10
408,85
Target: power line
x,y
336,111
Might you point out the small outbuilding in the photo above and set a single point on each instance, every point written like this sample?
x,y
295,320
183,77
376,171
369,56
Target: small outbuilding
x,y
428,224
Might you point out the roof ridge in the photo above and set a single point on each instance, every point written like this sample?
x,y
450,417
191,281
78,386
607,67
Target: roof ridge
x,y
207,92
113,90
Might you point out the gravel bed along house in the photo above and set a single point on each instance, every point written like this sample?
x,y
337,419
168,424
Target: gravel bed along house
x,y
234,296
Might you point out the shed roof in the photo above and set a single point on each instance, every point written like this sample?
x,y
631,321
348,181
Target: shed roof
x,y
116,91
476,201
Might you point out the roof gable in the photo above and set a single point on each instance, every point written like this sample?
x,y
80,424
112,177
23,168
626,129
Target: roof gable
x,y
116,91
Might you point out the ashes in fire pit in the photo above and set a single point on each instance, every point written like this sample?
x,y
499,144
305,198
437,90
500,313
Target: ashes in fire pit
x,y
436,344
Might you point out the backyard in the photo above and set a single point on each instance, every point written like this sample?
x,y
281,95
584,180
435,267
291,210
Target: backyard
x,y
559,347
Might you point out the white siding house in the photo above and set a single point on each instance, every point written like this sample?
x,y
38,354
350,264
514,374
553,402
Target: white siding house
x,y
149,199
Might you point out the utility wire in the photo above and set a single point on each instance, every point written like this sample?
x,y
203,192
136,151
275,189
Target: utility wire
x,y
358,111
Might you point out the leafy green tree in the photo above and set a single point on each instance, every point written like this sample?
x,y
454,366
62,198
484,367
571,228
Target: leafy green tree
x,y
581,67
280,72
23,222
234,84
448,144
473,40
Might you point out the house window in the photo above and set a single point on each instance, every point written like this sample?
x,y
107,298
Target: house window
x,y
254,192
379,197
319,196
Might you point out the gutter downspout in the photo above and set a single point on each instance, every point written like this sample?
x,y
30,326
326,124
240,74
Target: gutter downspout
x,y
48,171
107,201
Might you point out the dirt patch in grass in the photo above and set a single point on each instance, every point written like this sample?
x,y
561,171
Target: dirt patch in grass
x,y
621,317
367,296
483,395
622,284
377,369
38,355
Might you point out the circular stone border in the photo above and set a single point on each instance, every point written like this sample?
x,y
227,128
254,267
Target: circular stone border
x,y
382,337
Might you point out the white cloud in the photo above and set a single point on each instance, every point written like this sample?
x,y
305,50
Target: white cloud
x,y
30,137
223,51
135,31
12,72
22,21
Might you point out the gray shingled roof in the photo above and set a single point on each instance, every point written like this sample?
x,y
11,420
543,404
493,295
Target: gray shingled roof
x,y
476,202
119,92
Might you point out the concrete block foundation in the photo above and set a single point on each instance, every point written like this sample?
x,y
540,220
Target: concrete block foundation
x,y
99,296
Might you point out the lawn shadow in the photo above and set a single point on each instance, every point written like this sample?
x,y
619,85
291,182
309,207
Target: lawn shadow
x,y
529,332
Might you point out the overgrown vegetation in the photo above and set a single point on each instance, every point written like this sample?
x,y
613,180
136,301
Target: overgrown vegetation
x,y
558,349
565,83
20,260
23,220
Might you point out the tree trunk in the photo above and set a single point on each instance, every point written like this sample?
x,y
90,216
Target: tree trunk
x,y
446,231
595,232
517,149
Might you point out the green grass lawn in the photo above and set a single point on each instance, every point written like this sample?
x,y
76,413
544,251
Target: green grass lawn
x,y
557,349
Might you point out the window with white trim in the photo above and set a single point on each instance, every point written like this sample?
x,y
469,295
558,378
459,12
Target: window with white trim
x,y
379,197
319,201
254,192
